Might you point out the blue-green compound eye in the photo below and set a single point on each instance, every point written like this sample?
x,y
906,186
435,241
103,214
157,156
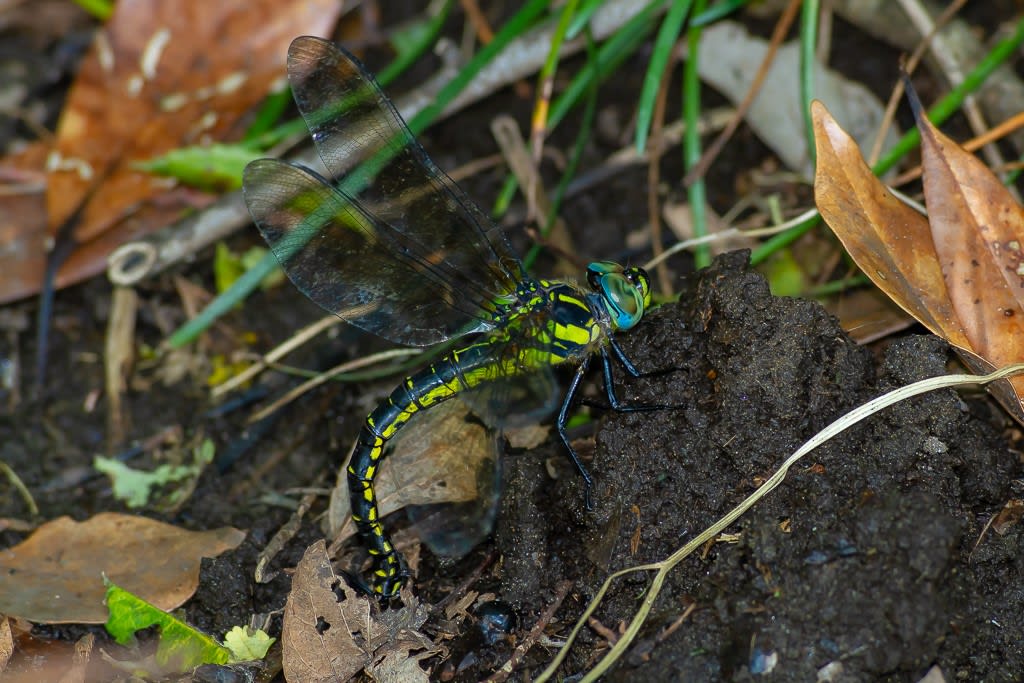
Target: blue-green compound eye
x,y
624,292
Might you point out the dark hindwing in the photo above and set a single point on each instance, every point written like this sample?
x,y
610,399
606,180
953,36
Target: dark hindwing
x,y
388,242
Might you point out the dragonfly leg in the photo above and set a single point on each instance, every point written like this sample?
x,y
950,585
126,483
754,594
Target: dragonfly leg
x,y
609,383
563,417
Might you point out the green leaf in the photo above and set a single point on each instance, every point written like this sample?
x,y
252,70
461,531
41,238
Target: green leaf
x,y
785,275
135,487
181,647
247,644
229,266
101,9
215,168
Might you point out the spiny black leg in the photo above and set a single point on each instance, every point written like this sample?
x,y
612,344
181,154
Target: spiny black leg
x,y
609,384
563,416
624,359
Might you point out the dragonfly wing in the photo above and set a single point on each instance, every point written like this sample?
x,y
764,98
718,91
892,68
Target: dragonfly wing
x,y
344,259
375,159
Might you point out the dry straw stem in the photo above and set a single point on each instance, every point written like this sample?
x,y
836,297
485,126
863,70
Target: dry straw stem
x,y
663,567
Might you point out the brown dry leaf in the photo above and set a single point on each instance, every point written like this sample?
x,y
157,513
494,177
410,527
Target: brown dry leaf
x,y
438,458
158,76
23,222
887,239
56,575
399,666
867,314
959,276
1009,516
331,633
320,625
978,229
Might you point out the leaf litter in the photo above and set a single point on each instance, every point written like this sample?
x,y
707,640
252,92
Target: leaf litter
x,y
960,271
331,633
55,576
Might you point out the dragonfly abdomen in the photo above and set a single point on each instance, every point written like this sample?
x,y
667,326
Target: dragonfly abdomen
x,y
459,371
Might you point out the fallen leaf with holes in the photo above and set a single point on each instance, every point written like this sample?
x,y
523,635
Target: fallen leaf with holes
x,y
959,272
330,633
56,575
158,76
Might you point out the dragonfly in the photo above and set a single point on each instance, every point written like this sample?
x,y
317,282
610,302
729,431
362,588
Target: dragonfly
x,y
388,242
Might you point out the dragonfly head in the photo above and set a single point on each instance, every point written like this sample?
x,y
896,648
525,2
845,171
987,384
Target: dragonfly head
x,y
625,292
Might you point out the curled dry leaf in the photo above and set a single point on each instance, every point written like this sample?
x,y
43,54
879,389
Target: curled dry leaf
x,y
56,575
960,271
889,241
1008,517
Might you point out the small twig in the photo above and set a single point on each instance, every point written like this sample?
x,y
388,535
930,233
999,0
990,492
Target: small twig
x,y
600,629
478,21
276,354
284,534
513,146
118,357
20,487
731,232
1011,125
947,59
654,175
327,375
674,626
909,67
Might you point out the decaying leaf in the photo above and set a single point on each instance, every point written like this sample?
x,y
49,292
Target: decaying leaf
x,y
56,575
1008,517
729,58
159,75
978,229
960,272
331,633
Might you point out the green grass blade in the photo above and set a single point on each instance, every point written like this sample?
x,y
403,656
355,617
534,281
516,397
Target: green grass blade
x,y
665,42
696,193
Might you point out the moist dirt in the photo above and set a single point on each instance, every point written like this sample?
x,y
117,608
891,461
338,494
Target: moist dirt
x,y
870,562
874,560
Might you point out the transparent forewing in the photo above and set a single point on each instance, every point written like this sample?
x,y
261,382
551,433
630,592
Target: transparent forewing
x,y
444,246
348,262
